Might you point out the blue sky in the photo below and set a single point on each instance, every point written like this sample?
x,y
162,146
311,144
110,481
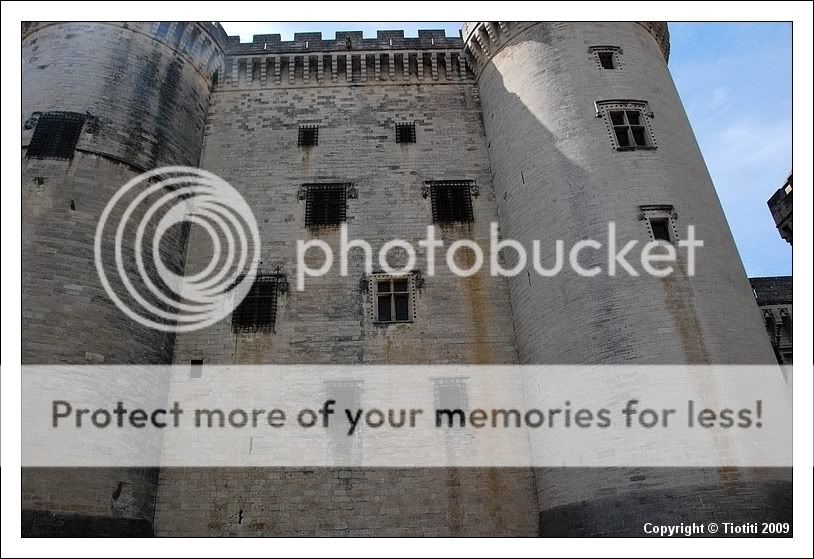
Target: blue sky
x,y
737,96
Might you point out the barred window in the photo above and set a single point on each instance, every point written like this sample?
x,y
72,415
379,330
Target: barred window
x,y
325,204
56,135
451,201
308,135
257,312
405,133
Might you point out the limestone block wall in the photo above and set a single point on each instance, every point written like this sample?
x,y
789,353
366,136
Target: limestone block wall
x,y
251,141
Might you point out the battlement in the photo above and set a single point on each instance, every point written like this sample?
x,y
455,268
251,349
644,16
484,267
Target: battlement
x,y
344,41
349,58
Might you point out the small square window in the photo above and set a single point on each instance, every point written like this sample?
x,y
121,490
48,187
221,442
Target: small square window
x,y
451,201
450,395
195,368
392,300
607,57
606,60
308,135
405,133
325,204
659,222
257,312
55,136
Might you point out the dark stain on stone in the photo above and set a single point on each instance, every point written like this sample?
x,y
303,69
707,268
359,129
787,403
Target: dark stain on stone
x,y
117,492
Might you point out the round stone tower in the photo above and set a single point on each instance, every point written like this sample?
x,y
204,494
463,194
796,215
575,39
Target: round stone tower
x,y
102,103
585,127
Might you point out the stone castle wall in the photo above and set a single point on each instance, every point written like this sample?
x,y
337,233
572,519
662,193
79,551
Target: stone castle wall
x,y
251,141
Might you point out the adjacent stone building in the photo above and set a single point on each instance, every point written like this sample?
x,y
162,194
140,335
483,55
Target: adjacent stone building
x,y
780,204
549,129
774,294
774,297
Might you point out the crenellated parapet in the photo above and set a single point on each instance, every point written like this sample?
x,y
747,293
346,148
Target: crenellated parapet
x,y
484,39
349,58
344,41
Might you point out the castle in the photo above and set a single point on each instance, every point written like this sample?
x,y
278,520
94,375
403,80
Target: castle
x,y
550,129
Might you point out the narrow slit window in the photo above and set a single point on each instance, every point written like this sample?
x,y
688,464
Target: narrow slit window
x,y
308,136
257,312
55,136
405,133
325,204
451,202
